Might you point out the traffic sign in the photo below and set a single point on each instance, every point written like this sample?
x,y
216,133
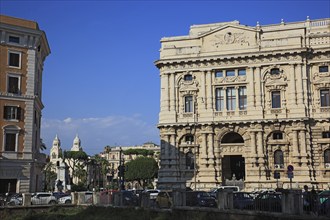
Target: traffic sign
x,y
290,168
290,175
277,175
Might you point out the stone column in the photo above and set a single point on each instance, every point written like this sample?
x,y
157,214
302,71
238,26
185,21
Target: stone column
x,y
167,150
164,93
205,145
300,94
209,89
225,100
203,91
258,88
304,83
253,143
210,145
250,88
172,92
302,138
173,147
237,98
260,145
292,86
295,143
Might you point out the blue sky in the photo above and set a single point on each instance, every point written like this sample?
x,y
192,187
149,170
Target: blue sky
x,y
100,80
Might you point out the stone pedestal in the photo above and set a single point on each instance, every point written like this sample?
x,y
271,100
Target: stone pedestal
x,y
26,199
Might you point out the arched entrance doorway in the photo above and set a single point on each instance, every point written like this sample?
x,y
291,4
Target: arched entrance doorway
x,y
233,162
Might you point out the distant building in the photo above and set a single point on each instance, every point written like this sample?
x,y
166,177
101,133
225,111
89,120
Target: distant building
x,y
23,50
114,154
62,168
241,103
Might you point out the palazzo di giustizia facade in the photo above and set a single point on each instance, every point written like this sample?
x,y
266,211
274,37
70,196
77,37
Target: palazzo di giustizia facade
x,y
239,103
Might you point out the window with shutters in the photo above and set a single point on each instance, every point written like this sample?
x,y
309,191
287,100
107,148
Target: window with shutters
x,y
12,113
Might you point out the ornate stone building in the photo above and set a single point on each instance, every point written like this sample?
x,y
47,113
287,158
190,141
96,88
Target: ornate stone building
x,y
240,103
23,50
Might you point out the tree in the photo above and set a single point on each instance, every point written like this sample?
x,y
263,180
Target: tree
x,y
143,152
50,177
76,160
104,167
142,169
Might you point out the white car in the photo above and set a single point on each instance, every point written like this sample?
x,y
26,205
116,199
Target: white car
x,y
65,200
68,199
153,193
43,198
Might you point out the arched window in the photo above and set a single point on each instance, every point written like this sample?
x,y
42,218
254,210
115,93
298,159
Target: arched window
x,y
275,71
187,77
232,137
327,158
278,159
190,161
54,155
189,139
277,135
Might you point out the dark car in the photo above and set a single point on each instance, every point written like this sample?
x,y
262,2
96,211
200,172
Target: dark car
x,y
271,202
200,198
129,198
243,200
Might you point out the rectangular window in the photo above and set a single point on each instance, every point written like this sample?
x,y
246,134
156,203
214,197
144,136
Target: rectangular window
x,y
188,104
276,99
219,99
13,39
231,99
13,84
10,141
12,113
325,97
230,73
242,98
242,72
14,59
323,69
218,73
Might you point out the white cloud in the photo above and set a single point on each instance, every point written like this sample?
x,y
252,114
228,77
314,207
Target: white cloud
x,y
96,133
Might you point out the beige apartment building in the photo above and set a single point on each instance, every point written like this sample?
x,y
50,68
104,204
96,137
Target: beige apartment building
x,y
23,50
115,156
240,103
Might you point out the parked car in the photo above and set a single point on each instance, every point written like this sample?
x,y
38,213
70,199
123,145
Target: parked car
x,y
65,200
200,198
325,207
164,199
271,202
60,194
129,198
214,192
153,193
14,199
243,200
43,198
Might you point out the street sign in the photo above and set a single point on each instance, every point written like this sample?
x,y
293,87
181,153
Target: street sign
x,y
290,168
